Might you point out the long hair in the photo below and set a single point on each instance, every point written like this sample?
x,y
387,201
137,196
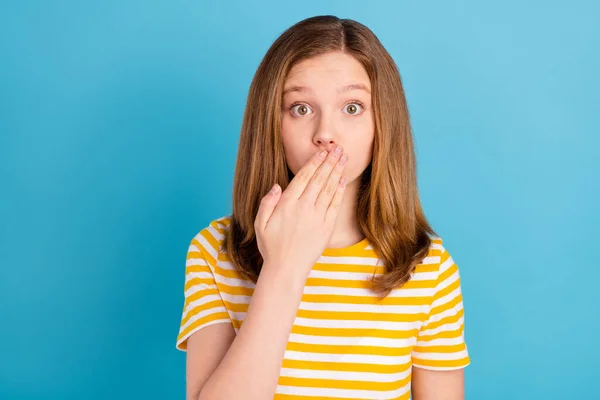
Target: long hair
x,y
388,206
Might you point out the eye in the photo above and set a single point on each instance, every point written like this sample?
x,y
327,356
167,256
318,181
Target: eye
x,y
353,108
302,109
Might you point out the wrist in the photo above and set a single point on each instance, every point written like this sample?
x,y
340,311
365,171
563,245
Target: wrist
x,y
287,277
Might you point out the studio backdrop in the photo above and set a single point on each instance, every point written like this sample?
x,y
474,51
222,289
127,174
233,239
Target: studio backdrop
x,y
119,127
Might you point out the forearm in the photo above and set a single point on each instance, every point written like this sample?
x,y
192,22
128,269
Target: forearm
x,y
250,368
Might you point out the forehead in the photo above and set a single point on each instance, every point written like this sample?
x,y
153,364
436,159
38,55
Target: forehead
x,y
338,69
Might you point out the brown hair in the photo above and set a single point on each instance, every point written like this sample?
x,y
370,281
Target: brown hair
x,y
388,207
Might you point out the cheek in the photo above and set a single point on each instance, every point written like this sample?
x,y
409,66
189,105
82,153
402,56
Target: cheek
x,y
293,159
288,125
361,155
290,132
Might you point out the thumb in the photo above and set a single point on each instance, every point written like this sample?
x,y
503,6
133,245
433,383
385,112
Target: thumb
x,y
267,205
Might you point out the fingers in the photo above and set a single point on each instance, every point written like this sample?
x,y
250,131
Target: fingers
x,y
267,205
315,185
331,184
334,207
297,185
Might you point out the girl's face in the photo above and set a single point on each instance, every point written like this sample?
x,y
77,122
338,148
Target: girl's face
x,y
327,101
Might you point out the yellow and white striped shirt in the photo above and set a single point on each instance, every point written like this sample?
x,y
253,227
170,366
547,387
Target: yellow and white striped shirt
x,y
344,343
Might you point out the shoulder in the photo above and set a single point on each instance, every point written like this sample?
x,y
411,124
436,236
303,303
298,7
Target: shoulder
x,y
436,259
209,239
436,246
446,268
434,251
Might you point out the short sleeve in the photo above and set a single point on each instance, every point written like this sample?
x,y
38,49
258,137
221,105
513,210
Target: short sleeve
x,y
440,342
203,304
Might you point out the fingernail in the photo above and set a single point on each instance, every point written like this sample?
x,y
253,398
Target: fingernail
x,y
337,150
322,154
343,159
275,189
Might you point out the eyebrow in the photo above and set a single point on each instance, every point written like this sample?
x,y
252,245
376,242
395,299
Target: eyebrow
x,y
347,88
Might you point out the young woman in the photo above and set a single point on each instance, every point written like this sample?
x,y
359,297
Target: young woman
x,y
326,281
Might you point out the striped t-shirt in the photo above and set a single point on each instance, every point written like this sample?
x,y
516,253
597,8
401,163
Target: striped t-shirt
x,y
345,343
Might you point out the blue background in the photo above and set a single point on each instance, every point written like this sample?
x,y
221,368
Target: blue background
x,y
119,126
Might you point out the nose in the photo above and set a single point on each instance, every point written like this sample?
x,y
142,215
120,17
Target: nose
x,y
325,136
